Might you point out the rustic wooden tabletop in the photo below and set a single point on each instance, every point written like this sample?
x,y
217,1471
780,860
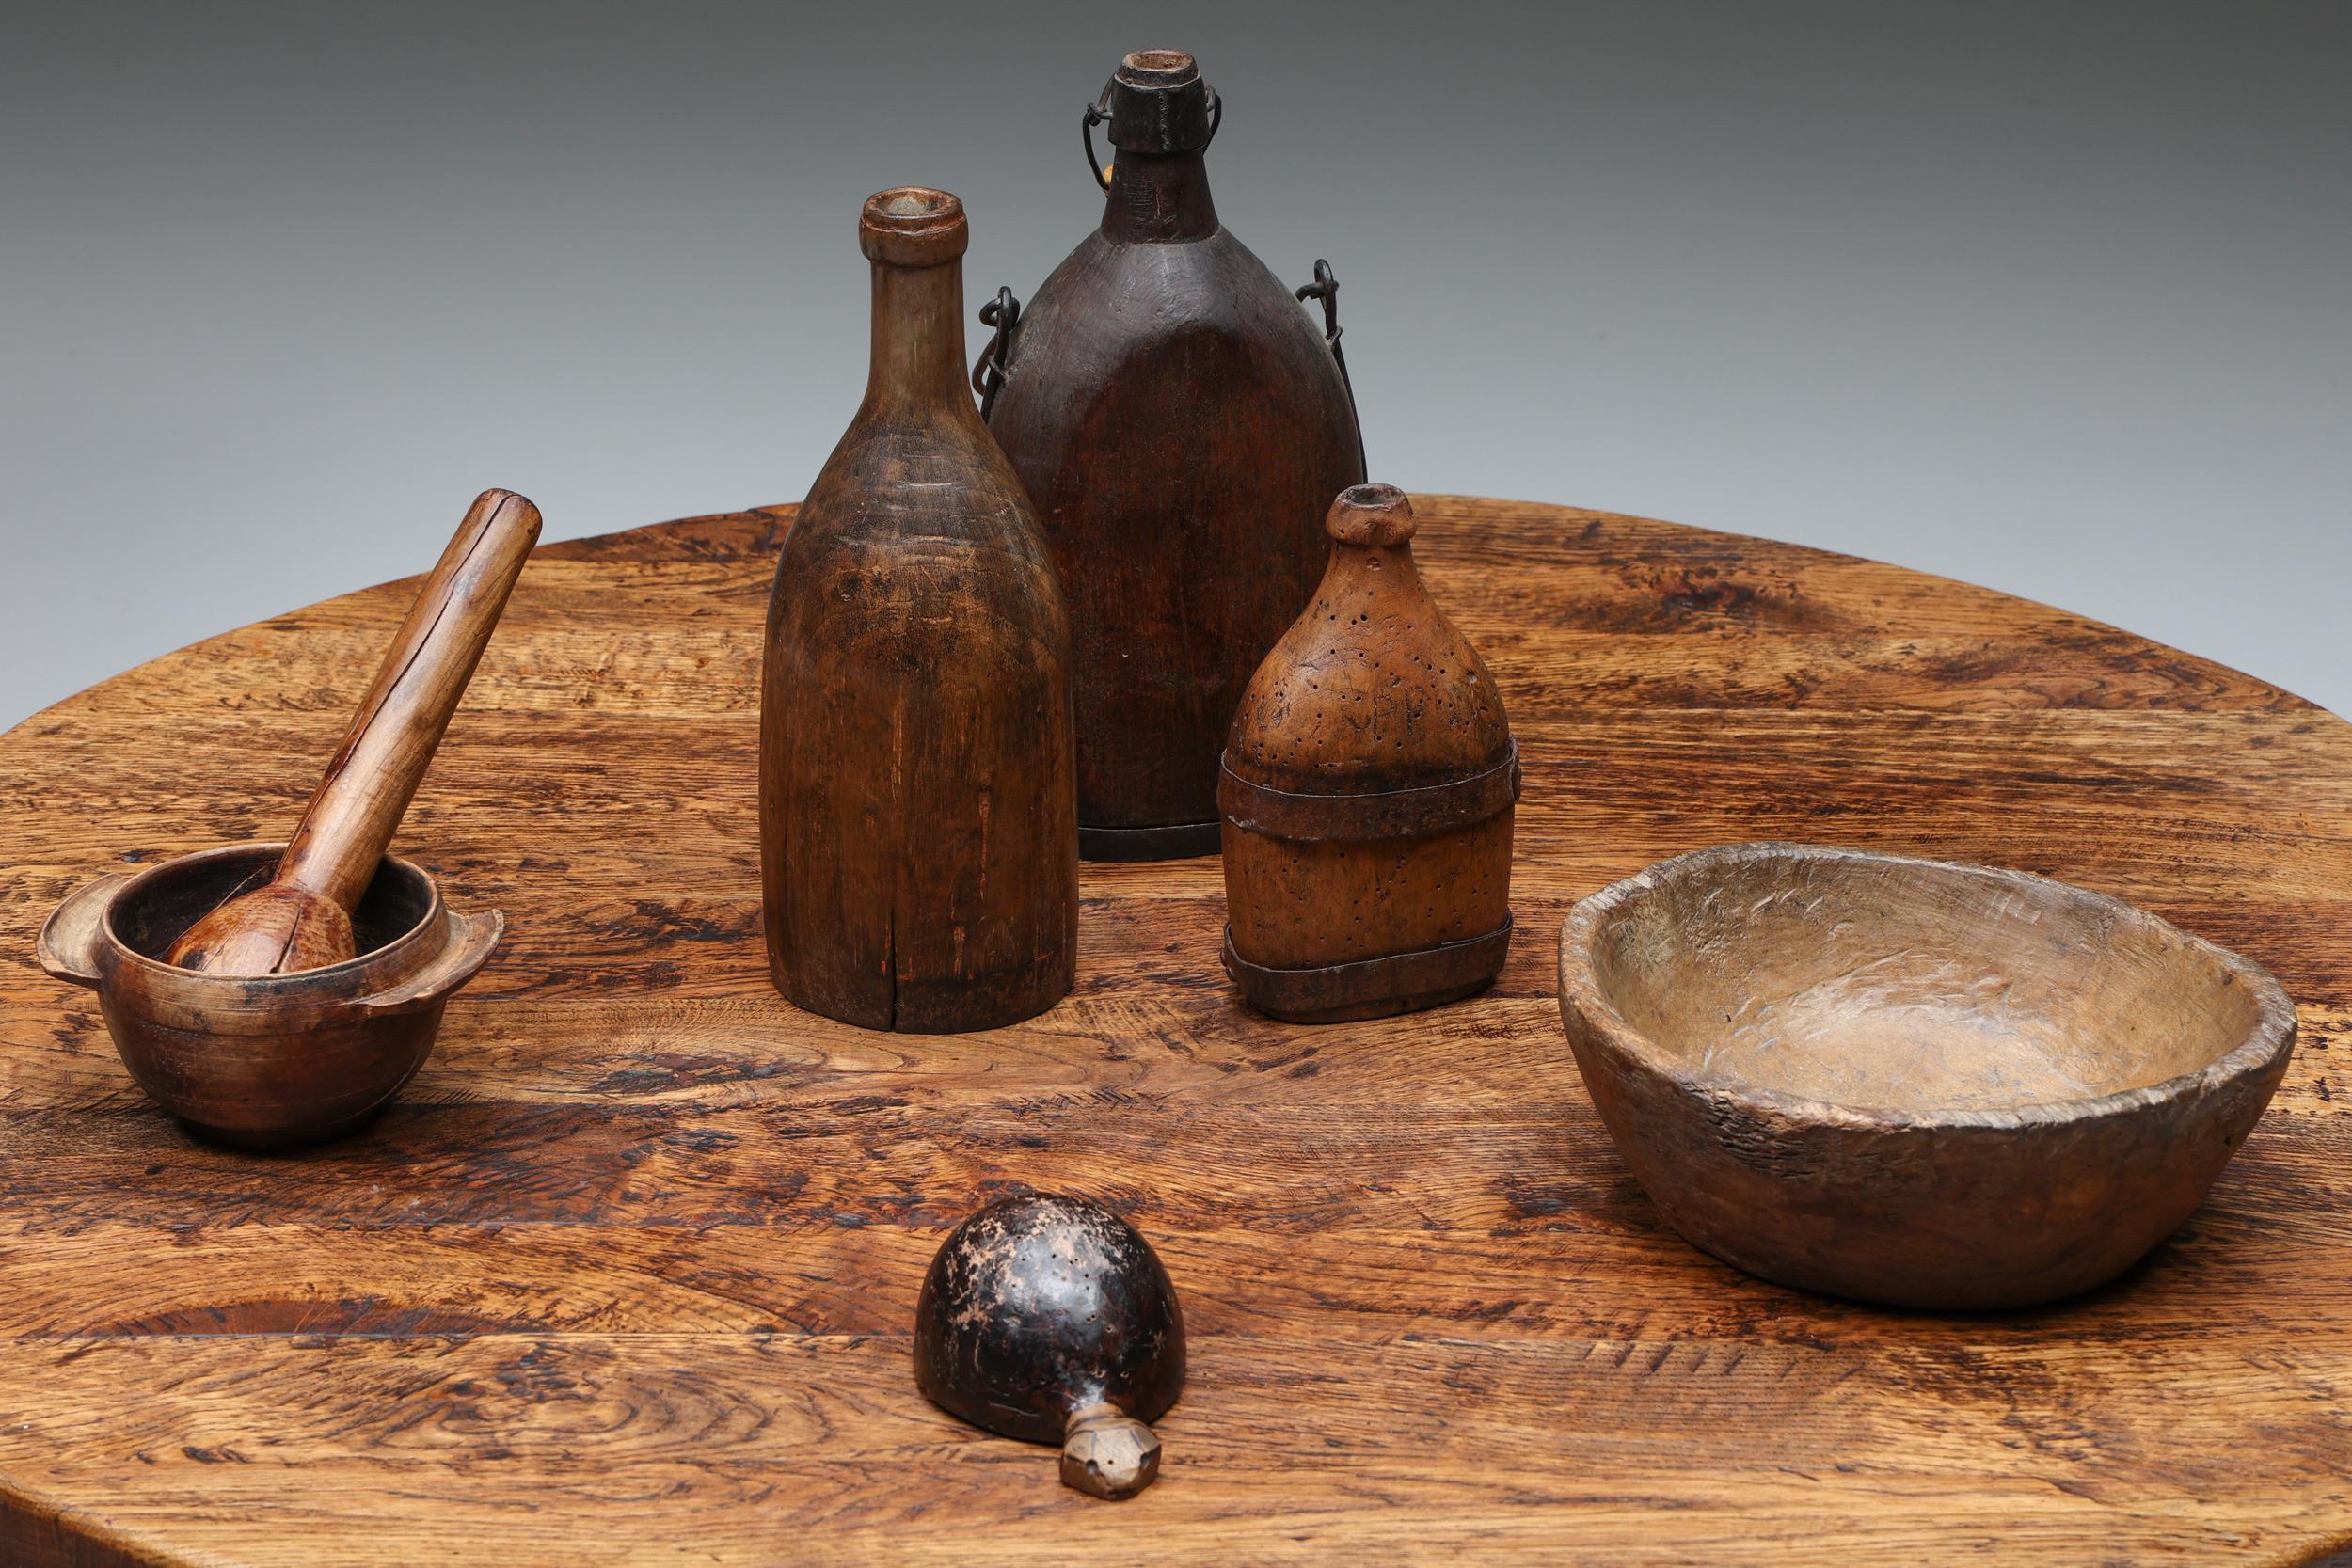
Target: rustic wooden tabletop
x,y
628,1273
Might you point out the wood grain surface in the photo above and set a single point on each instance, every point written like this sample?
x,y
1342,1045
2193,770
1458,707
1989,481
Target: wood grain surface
x,y
628,1275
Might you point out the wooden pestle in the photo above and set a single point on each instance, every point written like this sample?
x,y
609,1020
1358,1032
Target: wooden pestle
x,y
302,918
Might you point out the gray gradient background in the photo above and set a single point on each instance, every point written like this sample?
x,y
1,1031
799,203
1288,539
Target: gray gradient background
x,y
2056,298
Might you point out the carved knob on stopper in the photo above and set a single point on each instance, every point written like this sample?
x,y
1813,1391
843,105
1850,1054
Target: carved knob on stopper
x,y
1369,514
1109,1453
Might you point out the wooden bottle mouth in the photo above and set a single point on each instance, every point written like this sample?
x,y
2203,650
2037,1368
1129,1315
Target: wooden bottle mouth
x,y
1158,68
1371,514
912,226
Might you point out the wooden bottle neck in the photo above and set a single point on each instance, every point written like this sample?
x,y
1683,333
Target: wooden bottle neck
x,y
1158,196
1371,530
1385,570
918,370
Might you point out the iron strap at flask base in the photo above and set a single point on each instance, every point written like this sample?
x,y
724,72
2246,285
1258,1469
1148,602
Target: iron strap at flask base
x,y
1392,813
1169,841
1371,987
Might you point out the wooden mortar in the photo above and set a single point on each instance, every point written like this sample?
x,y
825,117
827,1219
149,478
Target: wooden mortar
x,y
266,1061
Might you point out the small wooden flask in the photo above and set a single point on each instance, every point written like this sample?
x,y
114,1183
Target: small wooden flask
x,y
1368,790
1180,423
919,810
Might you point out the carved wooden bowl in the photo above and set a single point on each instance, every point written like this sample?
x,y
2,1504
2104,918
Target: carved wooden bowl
x,y
266,1061
1910,1081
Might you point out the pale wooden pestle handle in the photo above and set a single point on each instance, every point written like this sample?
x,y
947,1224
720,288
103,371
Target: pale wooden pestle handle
x,y
358,804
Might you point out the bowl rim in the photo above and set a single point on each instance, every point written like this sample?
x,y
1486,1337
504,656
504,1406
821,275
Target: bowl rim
x,y
326,977
2266,1042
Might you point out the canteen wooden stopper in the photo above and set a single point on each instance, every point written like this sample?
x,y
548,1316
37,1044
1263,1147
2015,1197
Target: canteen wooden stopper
x,y
1157,104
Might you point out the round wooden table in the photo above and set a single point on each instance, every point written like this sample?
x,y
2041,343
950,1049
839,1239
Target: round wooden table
x,y
628,1273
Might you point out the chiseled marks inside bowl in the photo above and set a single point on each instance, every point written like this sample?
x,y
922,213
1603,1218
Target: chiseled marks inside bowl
x,y
1908,987
1897,1031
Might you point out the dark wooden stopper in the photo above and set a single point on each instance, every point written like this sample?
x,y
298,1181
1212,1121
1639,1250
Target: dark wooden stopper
x,y
1159,104
1050,1319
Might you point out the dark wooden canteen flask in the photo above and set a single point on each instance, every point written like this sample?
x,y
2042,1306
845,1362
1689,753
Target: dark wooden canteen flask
x,y
1181,424
918,814
1368,792
1050,1319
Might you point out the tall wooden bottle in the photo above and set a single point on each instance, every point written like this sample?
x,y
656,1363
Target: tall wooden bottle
x,y
917,812
1181,424
1369,790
